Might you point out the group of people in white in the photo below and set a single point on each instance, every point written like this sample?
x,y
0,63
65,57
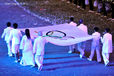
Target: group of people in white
x,y
14,43
106,40
32,54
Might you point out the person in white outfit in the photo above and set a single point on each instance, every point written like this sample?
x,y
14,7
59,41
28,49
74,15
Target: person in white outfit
x,y
72,47
95,45
107,46
72,21
6,34
27,50
38,49
81,46
15,35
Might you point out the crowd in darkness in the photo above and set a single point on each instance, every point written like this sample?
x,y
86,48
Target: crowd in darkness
x,y
103,6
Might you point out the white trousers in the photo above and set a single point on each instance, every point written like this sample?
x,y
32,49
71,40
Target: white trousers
x,y
71,48
15,48
81,48
15,51
9,49
39,60
93,49
105,57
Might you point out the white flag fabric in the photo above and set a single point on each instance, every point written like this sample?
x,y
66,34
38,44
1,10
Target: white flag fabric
x,y
62,34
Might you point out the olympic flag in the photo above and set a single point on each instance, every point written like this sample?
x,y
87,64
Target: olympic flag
x,y
62,34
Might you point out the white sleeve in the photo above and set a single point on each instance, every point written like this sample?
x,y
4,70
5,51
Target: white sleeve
x,y
3,34
102,39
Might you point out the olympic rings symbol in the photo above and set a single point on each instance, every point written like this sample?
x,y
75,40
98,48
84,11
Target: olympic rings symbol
x,y
63,37
50,34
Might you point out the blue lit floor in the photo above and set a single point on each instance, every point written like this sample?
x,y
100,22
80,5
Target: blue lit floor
x,y
57,62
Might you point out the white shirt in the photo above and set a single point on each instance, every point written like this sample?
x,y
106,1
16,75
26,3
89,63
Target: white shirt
x,y
96,38
83,28
6,33
107,43
15,35
38,46
73,23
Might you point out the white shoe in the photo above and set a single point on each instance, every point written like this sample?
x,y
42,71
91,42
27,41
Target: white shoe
x,y
16,61
10,55
40,68
22,65
32,66
70,52
107,63
89,59
81,56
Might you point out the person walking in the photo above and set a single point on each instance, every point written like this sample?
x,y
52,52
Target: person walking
x,y
81,46
14,36
38,49
95,45
5,35
27,50
107,46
